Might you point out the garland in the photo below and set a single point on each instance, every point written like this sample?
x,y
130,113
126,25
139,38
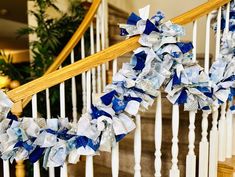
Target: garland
x,y
222,72
161,61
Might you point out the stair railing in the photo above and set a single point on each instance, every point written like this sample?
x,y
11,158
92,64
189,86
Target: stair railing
x,y
77,36
206,155
97,14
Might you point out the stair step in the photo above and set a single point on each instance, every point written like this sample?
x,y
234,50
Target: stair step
x,y
78,170
148,147
227,168
148,131
147,157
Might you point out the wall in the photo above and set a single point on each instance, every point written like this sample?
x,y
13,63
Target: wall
x,y
61,4
171,8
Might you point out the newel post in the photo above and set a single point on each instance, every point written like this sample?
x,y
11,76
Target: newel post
x,y
20,169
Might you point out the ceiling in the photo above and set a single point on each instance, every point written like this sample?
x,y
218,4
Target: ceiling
x,y
16,10
13,16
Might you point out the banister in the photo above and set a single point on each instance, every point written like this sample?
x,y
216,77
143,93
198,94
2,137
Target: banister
x,y
72,70
199,11
76,37
104,56
72,42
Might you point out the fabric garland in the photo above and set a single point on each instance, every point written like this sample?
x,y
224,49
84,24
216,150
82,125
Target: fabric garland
x,y
161,62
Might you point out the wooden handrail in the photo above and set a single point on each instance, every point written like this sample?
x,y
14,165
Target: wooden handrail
x,y
104,56
198,12
72,70
76,37
72,42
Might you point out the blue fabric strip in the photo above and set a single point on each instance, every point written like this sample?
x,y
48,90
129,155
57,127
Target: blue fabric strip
x,y
119,137
36,154
97,113
133,19
24,145
81,141
150,27
182,98
107,98
176,80
118,105
123,32
185,46
140,59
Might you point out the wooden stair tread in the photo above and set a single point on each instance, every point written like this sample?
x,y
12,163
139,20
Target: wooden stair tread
x,y
148,147
228,164
99,171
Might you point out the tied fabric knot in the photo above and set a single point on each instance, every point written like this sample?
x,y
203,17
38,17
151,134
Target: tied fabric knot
x,y
161,62
141,24
139,60
5,105
185,87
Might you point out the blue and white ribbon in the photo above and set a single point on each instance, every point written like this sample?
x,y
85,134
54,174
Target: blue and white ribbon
x,y
161,62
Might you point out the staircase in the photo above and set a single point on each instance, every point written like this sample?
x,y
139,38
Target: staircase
x,y
141,143
127,162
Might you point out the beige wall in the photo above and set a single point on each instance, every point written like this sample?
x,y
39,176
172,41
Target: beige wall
x,y
171,8
61,4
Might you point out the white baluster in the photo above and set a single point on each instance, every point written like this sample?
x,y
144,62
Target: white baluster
x,y
218,34
233,150
106,28
227,17
103,43
207,44
213,156
115,149
229,133
89,159
229,116
92,44
222,133
48,109
106,23
158,137
103,76
36,166
204,145
174,171
114,66
137,147
213,152
191,157
83,77
98,49
194,41
115,160
74,92
36,169
233,116
51,172
63,169
89,171
6,169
